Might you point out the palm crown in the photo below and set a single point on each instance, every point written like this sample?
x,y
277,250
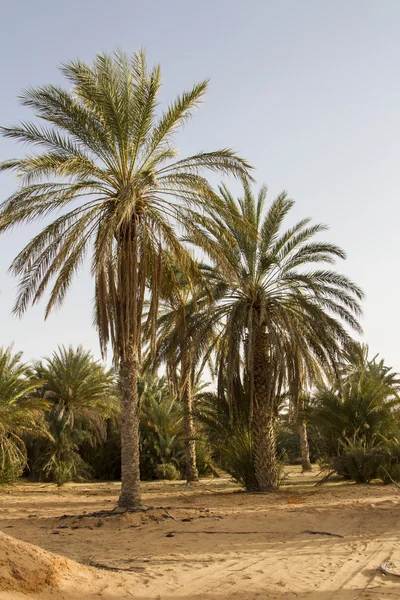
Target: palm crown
x,y
271,284
79,388
109,160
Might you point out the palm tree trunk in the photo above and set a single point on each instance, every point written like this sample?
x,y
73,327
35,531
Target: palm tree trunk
x,y
188,423
264,441
263,419
304,447
130,471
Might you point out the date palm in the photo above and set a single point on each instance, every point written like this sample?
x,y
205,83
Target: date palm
x,y
82,394
183,344
174,347
80,389
104,156
281,316
21,413
363,407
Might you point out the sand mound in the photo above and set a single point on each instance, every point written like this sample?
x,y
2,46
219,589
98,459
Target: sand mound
x,y
27,569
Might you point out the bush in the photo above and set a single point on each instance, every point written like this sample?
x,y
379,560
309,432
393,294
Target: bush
x,y
161,431
362,462
237,458
166,471
58,459
203,456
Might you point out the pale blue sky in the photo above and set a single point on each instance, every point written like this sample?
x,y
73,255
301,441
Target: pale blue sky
x,y
308,91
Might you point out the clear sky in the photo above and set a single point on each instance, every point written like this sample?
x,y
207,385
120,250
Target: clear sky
x,y
308,91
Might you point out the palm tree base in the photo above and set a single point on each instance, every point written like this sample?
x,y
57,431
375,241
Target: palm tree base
x,y
306,468
127,503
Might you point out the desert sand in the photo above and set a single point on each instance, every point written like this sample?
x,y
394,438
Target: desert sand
x,y
207,541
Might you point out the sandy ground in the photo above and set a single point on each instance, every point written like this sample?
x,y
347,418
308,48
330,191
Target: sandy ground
x,y
208,541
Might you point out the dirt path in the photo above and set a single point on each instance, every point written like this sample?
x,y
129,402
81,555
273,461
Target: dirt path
x,y
212,541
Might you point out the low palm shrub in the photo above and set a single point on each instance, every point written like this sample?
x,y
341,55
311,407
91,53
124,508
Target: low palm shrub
x,y
13,457
161,431
359,461
57,459
363,461
166,471
237,458
227,429
357,411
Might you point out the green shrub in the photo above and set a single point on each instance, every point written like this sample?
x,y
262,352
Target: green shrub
x,y
161,431
237,458
203,456
166,471
67,467
363,462
21,414
57,458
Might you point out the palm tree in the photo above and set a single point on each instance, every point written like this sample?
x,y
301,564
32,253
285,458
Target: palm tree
x,y
160,426
176,347
356,362
82,395
79,388
105,158
279,315
362,406
21,413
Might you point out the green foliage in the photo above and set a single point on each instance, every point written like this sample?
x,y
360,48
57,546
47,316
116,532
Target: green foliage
x,y
361,407
13,458
79,388
237,457
204,454
59,460
229,435
105,458
161,431
166,471
21,414
82,395
356,419
363,461
160,426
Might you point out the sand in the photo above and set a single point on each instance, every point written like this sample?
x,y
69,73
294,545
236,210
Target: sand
x,y
207,541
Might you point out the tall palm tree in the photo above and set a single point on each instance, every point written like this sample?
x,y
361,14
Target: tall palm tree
x,y
21,413
183,343
105,157
176,348
278,314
